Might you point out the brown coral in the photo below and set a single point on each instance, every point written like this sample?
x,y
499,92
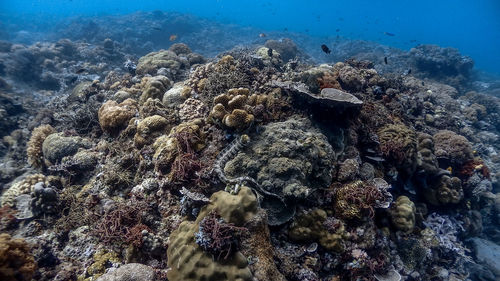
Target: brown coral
x,y
34,146
357,198
149,129
114,117
16,261
155,88
447,191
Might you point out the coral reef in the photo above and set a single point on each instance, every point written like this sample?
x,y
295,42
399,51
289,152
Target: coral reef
x,y
403,214
399,144
34,146
452,147
114,117
16,261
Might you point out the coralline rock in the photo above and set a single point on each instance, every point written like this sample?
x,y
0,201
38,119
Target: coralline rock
x,y
155,88
452,147
34,146
45,199
113,116
487,253
16,261
289,158
310,227
187,261
403,214
130,272
56,146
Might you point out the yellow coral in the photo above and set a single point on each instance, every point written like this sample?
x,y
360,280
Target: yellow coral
x,y
34,146
403,214
16,261
102,260
239,119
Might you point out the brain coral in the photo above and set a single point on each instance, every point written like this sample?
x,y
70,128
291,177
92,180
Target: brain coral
x,y
34,149
289,158
187,261
155,88
113,116
16,261
399,144
452,147
21,187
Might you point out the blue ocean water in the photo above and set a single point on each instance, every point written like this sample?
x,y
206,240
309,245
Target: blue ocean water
x,y
472,26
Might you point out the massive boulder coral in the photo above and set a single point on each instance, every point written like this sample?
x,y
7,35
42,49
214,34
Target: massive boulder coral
x,y
16,261
403,214
56,146
289,158
114,117
188,261
149,129
167,62
453,148
447,190
155,88
310,226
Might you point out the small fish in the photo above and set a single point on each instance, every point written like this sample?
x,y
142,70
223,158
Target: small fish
x,y
270,52
389,34
173,37
337,30
156,28
385,60
413,41
325,49
408,72
262,35
285,29
449,169
80,71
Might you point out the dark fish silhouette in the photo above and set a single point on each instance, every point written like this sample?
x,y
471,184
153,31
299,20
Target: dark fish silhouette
x,y
389,34
325,49
337,30
80,71
385,60
156,28
407,72
270,52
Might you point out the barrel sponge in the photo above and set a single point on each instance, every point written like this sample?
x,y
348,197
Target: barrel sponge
x,y
454,147
310,226
34,147
403,214
155,88
16,261
113,116
188,261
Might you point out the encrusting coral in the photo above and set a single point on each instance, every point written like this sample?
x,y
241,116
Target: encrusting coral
x,y
16,261
34,147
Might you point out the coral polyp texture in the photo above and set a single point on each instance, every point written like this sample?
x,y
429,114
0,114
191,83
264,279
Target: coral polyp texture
x,y
252,163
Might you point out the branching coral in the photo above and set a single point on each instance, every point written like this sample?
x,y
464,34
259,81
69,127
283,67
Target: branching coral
x,y
16,261
34,146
